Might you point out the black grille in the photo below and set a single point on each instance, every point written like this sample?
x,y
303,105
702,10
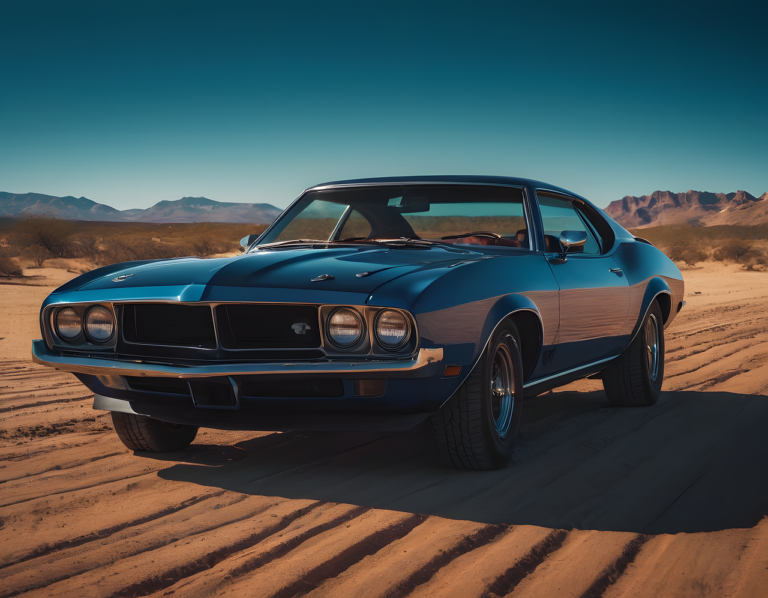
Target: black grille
x,y
268,326
319,387
172,386
167,324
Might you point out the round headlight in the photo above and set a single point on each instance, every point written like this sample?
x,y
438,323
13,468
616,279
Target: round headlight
x,y
99,324
68,324
345,328
391,329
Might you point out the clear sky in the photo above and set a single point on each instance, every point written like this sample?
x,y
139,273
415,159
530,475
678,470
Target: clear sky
x,y
132,102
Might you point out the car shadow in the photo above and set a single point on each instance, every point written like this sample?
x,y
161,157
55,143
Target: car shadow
x,y
694,462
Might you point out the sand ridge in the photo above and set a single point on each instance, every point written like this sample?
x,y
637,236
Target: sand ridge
x,y
665,501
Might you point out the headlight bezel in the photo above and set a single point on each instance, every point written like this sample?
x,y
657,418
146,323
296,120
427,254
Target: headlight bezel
x,y
379,338
88,334
346,347
83,341
57,327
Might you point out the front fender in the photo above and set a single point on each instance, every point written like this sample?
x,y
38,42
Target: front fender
x,y
472,326
657,288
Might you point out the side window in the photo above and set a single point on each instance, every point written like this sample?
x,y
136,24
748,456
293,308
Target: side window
x,y
355,227
559,214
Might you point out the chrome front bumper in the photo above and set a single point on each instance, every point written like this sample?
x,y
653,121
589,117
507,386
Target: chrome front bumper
x,y
108,367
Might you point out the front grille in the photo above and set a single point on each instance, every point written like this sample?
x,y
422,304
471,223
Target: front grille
x,y
169,324
255,326
172,386
255,387
317,387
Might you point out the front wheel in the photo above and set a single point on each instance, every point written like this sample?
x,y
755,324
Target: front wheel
x,y
140,433
634,379
477,427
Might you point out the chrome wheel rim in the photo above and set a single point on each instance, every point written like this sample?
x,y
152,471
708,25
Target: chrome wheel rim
x,y
502,393
652,346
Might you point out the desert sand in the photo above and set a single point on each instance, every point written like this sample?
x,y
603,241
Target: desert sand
x,y
669,500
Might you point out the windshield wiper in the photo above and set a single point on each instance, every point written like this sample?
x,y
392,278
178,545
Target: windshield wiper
x,y
292,242
408,242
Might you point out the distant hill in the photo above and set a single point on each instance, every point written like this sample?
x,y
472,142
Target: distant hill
x,y
698,208
186,209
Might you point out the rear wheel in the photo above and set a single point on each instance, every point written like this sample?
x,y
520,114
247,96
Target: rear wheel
x,y
477,427
140,433
634,379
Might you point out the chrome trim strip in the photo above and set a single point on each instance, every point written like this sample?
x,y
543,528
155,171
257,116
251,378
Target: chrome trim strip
x,y
95,366
102,403
566,372
340,224
407,183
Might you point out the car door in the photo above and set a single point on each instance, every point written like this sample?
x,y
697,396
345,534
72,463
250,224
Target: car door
x,y
594,293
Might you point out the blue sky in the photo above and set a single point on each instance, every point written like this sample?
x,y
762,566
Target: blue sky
x,y
129,103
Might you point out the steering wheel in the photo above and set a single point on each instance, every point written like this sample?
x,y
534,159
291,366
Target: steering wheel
x,y
480,233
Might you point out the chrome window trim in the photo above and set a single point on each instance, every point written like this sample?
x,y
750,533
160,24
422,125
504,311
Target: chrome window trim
x,y
340,224
589,226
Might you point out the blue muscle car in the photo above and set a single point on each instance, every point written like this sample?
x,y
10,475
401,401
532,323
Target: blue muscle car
x,y
373,305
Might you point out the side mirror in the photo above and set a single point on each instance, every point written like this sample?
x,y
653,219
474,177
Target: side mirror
x,y
245,242
572,239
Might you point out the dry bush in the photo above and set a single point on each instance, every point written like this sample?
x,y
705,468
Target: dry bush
x,y
685,252
744,253
140,249
50,233
8,267
207,244
81,246
110,242
10,248
733,251
38,254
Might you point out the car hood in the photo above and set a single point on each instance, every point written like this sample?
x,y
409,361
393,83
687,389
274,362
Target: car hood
x,y
356,270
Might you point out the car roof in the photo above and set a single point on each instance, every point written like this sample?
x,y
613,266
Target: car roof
x,y
451,178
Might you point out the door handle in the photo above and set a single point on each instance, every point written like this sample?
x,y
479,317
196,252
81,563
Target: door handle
x,y
615,270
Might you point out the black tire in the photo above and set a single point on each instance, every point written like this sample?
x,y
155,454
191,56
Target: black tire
x,y
466,427
630,380
140,433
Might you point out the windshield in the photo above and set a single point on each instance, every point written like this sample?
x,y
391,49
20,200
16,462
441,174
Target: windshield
x,y
455,214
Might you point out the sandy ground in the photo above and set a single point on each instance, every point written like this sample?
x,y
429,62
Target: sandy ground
x,y
663,501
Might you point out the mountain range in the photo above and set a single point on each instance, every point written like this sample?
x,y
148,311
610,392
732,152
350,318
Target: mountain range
x,y
186,209
697,208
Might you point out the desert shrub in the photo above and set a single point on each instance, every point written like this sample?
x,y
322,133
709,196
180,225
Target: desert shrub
x,y
80,246
10,249
8,267
38,254
742,252
50,233
140,249
685,252
207,244
733,251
